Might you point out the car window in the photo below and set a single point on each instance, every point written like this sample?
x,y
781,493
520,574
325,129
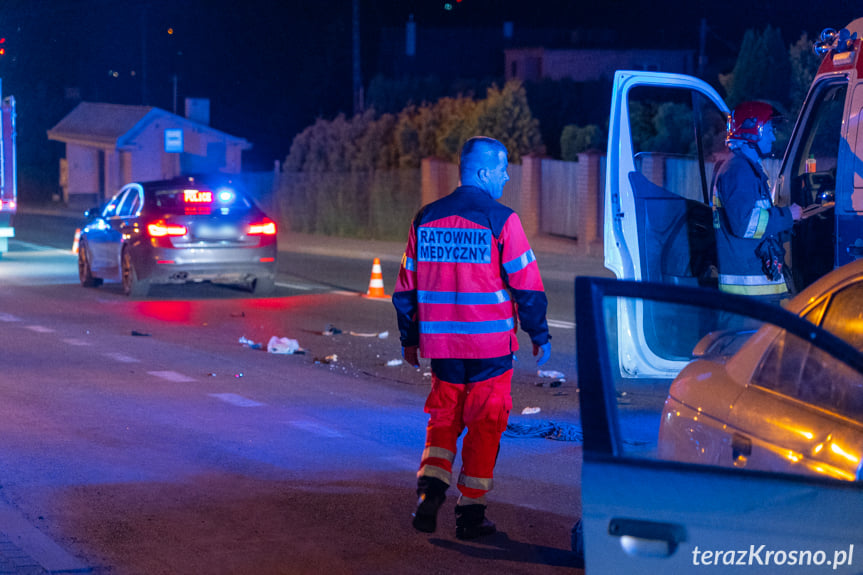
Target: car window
x,y
111,209
814,315
796,368
201,201
131,203
675,135
844,316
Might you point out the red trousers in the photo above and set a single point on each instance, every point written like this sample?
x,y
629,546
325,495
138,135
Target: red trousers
x,y
483,408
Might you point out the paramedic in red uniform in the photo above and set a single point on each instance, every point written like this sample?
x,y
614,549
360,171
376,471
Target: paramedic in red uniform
x,y
468,277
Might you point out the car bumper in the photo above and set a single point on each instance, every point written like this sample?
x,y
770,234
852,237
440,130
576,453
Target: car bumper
x,y
220,265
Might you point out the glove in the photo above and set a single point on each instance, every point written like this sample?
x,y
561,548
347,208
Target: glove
x,y
410,353
546,352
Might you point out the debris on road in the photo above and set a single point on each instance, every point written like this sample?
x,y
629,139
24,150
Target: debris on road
x,y
283,345
331,330
551,374
555,383
140,333
250,344
394,362
328,359
545,429
238,314
530,410
379,335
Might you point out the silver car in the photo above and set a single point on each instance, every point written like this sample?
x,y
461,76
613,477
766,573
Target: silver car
x,y
177,231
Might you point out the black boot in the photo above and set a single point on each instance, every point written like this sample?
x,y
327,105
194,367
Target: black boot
x,y
431,493
471,522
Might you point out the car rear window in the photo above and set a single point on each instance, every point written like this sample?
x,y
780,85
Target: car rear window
x,y
201,201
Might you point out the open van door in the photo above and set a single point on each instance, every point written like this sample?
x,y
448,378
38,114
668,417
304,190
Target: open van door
x,y
665,133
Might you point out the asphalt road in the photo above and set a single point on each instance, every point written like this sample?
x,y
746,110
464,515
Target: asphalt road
x,y
182,451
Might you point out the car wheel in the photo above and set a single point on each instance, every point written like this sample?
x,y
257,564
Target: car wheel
x,y
264,285
132,285
85,274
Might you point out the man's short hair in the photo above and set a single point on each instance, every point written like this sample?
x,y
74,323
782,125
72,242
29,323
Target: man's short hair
x,y
479,151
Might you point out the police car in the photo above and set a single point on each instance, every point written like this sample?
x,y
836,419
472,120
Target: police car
x,y
176,231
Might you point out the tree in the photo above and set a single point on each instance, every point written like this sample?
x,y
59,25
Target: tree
x,y
506,116
762,70
804,65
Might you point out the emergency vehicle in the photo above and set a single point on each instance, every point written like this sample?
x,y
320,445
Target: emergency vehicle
x,y
658,218
8,179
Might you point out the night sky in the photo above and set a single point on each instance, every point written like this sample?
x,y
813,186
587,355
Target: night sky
x,y
270,68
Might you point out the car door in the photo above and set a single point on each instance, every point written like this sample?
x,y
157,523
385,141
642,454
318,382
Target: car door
x,y
665,134
123,223
818,174
101,234
643,514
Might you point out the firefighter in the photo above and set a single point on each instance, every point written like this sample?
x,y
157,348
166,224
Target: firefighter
x,y
749,228
467,277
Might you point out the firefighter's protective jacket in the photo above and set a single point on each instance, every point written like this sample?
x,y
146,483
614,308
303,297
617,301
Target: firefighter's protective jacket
x,y
467,273
743,215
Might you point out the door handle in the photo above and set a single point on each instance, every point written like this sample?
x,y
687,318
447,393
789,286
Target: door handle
x,y
647,538
855,250
741,449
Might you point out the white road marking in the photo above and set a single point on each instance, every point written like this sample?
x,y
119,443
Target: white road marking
x,y
561,324
40,329
121,357
237,400
315,428
75,341
8,317
38,248
172,376
304,287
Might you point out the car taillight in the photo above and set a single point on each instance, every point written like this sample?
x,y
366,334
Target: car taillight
x,y
266,227
160,229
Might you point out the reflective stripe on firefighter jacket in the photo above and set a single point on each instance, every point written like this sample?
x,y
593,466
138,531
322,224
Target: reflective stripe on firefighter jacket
x,y
744,214
467,273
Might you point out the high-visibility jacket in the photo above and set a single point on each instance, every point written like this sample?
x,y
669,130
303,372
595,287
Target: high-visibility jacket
x,y
468,273
743,215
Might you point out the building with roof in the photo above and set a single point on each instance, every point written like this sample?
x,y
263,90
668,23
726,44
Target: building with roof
x,y
108,145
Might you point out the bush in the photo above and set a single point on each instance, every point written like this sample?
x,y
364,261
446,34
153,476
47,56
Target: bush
x,y
577,139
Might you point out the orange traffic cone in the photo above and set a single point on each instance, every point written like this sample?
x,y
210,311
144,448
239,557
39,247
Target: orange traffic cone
x,y
76,240
376,282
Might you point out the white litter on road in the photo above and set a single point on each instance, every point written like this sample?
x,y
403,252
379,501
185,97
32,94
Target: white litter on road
x,y
283,345
237,400
550,373
172,376
530,410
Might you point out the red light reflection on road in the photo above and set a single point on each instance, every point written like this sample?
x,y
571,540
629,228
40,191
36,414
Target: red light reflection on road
x,y
169,311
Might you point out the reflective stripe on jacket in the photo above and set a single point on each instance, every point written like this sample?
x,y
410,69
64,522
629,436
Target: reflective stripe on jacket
x,y
467,273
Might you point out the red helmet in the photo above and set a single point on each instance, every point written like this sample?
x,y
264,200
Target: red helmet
x,y
746,121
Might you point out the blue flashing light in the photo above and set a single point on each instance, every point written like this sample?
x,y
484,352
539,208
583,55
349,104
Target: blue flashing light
x,y
226,195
